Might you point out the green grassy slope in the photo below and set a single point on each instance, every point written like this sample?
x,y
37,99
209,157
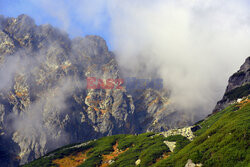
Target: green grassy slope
x,y
223,140
148,147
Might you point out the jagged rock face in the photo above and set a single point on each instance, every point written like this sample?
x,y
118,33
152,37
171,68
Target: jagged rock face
x,y
44,103
238,86
241,77
154,111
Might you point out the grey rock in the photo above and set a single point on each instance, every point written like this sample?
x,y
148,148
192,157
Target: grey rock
x,y
191,164
44,103
239,79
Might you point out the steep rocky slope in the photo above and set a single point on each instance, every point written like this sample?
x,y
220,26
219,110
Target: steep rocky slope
x,y
238,86
44,103
221,139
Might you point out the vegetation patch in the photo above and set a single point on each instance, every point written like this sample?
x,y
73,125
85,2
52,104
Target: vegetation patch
x,y
107,158
147,147
238,92
223,141
72,160
123,150
180,140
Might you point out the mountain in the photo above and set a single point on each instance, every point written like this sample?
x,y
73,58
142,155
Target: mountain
x,y
238,86
44,100
46,103
222,139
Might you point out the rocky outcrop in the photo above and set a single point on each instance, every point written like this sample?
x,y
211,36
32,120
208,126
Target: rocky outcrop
x,y
171,145
241,77
191,164
155,112
137,162
238,86
186,132
44,103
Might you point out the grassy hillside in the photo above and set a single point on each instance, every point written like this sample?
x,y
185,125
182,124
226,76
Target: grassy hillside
x,y
223,140
125,149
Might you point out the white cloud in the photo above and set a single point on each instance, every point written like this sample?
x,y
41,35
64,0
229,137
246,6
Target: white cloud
x,y
194,45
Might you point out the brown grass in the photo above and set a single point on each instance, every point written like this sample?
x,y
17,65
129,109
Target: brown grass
x,y
21,94
243,102
164,156
153,102
108,157
72,160
103,111
98,110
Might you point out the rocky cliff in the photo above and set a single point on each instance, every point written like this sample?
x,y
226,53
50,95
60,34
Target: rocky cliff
x,y
44,103
238,86
221,139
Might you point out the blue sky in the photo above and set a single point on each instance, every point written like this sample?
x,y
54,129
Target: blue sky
x,y
77,25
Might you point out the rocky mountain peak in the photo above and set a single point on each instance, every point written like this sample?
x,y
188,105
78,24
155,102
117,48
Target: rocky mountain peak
x,y
246,65
241,77
238,86
44,101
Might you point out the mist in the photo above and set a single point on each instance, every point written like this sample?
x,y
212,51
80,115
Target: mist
x,y
193,45
38,118
38,114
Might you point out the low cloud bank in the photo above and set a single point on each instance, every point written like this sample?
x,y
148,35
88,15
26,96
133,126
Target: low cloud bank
x,y
193,45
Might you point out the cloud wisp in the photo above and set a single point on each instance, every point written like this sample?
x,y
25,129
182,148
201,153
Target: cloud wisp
x,y
193,45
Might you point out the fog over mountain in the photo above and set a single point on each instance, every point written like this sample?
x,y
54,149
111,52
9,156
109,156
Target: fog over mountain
x,y
193,45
